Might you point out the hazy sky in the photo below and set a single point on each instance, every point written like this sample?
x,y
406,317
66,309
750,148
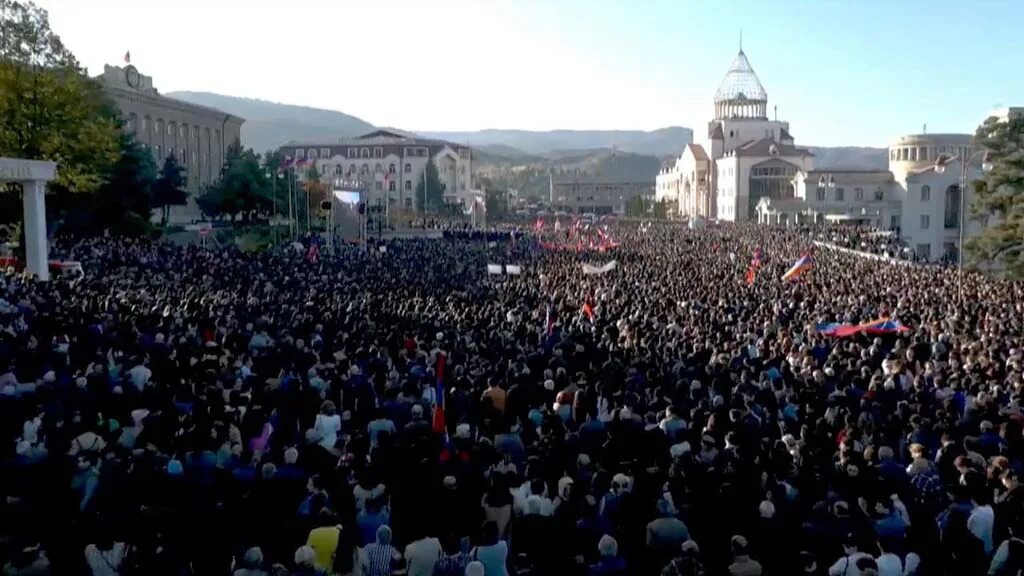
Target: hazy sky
x,y
841,72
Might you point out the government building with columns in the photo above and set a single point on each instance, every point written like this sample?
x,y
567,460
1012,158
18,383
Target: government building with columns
x,y
197,136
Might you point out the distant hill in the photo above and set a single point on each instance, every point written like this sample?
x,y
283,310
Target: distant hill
x,y
268,125
836,157
662,142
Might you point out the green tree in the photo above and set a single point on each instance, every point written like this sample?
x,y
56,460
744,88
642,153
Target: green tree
x,y
243,188
434,191
49,108
496,204
659,210
127,196
637,207
169,189
999,198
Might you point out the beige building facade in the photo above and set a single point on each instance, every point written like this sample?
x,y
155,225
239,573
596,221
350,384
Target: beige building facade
x,y
388,166
197,136
598,195
745,157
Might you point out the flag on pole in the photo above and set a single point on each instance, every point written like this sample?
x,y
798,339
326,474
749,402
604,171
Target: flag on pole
x,y
538,225
588,308
755,264
439,425
798,268
550,317
128,57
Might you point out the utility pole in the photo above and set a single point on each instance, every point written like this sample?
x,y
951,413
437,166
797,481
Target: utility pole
x,y
291,206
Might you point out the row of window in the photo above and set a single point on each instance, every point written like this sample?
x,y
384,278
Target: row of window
x,y
773,171
840,194
171,128
925,153
355,152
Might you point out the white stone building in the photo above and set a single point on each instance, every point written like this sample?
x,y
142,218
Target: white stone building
x,y
744,158
917,198
390,165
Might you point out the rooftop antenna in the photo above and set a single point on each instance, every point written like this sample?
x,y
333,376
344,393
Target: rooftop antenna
x,y
741,40
776,112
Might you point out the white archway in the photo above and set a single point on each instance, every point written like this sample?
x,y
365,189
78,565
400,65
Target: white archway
x,y
33,176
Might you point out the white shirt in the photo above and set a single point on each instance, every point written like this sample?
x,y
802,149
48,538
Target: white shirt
x,y
889,564
140,376
980,524
422,555
104,563
327,428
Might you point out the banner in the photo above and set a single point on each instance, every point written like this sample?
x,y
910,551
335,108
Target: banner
x,y
588,269
513,270
494,268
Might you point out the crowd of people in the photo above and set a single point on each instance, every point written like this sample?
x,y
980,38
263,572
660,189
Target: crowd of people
x,y
181,411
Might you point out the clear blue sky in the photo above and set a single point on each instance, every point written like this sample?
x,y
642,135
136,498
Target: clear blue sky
x,y
841,72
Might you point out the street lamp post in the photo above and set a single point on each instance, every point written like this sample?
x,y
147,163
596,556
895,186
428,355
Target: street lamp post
x,y
965,165
825,183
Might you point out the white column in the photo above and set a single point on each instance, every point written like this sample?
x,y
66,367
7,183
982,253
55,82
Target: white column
x,y
34,199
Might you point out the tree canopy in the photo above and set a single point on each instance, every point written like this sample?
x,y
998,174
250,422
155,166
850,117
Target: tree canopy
x,y
169,188
49,108
999,198
243,189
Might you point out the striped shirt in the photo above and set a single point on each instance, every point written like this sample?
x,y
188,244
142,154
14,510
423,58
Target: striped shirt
x,y
379,559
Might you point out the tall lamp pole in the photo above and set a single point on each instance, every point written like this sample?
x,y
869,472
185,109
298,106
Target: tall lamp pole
x,y
969,155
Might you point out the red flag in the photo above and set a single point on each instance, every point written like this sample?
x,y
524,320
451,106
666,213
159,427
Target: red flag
x,y
588,309
128,57
755,264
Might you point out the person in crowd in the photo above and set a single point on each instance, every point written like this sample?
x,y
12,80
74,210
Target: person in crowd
x,y
201,403
380,558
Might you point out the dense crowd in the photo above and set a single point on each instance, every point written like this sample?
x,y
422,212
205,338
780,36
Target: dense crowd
x,y
885,243
179,411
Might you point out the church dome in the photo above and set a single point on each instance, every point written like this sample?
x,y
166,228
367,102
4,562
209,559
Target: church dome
x,y
741,94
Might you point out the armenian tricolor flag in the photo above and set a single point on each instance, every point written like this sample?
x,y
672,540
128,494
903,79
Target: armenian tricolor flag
x,y
798,268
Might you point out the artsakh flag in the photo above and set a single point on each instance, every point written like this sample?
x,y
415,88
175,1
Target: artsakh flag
x,y
128,57
755,264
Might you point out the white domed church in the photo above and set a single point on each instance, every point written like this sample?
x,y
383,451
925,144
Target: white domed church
x,y
745,157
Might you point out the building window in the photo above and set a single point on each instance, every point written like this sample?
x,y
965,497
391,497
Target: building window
x,y
925,221
300,154
391,186
364,169
353,153
325,152
879,195
391,168
337,170
840,192
170,129
378,186
951,217
858,194
926,193
377,168
195,132
378,152
820,194
364,153
924,251
408,168
145,123
408,185
408,203
158,152
182,131
894,222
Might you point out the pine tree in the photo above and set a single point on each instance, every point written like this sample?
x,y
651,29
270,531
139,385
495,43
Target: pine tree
x,y
169,189
434,192
999,198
